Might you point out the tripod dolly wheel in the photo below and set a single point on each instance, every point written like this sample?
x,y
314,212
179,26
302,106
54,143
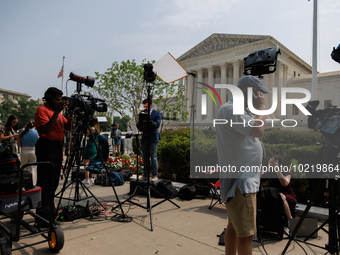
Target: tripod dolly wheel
x,y
5,247
56,236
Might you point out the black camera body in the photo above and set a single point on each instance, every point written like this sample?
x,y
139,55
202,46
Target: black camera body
x,y
326,120
261,61
336,54
82,103
143,121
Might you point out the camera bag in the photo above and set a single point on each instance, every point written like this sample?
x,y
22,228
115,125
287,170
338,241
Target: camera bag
x,y
81,175
9,163
166,188
9,183
71,213
187,192
126,174
202,190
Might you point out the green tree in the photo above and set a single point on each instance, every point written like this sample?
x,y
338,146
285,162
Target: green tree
x,y
7,107
24,109
122,122
123,88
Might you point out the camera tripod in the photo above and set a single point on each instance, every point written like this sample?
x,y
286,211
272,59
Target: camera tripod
x,y
74,159
330,152
148,188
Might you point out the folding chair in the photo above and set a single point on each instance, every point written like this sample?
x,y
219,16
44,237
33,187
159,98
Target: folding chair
x,y
215,190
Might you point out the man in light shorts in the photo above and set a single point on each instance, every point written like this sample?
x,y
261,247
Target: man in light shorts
x,y
238,146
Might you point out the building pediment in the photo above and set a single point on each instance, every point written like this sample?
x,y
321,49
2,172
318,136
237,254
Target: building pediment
x,y
219,42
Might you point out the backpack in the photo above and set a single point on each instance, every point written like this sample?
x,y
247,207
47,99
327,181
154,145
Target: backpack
x,y
103,146
116,178
95,165
187,192
166,188
202,190
126,174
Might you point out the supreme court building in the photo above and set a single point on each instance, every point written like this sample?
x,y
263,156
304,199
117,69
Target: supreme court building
x,y
219,59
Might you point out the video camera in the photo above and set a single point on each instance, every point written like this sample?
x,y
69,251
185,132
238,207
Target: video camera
x,y
79,104
336,54
327,120
261,61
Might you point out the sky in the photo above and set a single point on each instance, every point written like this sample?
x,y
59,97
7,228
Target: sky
x,y
93,34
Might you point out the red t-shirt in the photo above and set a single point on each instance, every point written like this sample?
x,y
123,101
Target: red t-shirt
x,y
43,114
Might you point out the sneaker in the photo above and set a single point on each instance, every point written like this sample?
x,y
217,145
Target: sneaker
x,y
86,181
142,178
154,179
91,180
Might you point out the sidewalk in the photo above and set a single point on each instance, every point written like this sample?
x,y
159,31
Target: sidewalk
x,y
192,229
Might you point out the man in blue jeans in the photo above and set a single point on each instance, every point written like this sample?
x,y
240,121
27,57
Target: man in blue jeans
x,y
153,139
116,139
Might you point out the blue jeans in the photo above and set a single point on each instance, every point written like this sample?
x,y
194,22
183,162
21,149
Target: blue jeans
x,y
153,156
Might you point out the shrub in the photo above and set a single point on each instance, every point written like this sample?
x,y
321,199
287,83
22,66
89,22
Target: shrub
x,y
174,151
301,138
306,154
279,149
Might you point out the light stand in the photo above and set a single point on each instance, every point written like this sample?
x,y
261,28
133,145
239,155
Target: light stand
x,y
192,119
147,189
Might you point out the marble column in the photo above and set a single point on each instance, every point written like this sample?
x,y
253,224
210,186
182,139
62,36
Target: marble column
x,y
284,82
223,92
236,73
199,96
210,108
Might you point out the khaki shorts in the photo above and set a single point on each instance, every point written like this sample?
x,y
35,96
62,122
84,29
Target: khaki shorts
x,y
242,213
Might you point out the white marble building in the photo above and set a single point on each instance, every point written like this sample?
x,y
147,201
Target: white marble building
x,y
219,60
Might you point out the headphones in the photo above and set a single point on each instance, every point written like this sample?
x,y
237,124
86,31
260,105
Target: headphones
x,y
47,97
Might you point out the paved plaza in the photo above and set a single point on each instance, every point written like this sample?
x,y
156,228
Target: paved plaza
x,y
190,229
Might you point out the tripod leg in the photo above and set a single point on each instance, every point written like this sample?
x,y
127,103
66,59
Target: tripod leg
x,y
332,245
303,216
149,208
119,203
69,159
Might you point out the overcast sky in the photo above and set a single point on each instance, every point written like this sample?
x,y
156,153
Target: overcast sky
x,y
36,34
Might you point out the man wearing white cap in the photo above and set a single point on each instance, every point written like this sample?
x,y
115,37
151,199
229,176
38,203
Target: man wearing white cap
x,y
238,146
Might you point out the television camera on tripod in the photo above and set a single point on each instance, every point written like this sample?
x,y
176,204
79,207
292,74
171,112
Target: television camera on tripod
x,y
83,107
328,122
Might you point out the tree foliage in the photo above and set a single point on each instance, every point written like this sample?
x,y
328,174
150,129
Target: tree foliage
x,y
123,88
24,109
122,122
